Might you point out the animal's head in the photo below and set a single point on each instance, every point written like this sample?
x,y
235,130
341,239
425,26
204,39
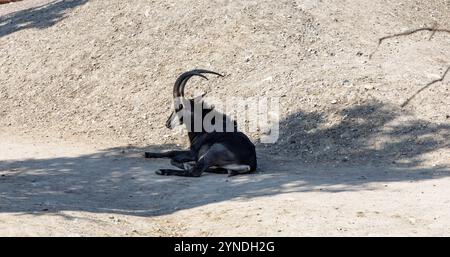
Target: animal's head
x,y
183,107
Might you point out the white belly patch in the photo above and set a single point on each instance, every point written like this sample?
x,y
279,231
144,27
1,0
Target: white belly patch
x,y
236,167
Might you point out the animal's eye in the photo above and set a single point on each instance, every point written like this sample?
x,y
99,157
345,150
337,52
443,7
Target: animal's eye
x,y
179,107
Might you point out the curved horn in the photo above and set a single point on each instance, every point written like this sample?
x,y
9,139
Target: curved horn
x,y
183,77
191,73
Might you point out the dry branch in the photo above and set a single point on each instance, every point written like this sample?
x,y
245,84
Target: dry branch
x,y
409,32
425,87
433,30
8,1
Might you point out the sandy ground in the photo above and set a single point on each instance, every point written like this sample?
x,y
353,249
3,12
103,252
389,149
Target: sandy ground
x,y
61,188
85,88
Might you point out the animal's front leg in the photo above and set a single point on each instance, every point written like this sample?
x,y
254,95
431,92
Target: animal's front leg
x,y
186,154
189,170
171,172
183,165
181,173
186,169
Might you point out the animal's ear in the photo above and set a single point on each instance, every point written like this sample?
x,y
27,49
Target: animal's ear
x,y
178,104
179,107
199,97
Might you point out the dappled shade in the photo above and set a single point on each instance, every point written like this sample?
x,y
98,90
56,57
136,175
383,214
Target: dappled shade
x,y
120,180
40,17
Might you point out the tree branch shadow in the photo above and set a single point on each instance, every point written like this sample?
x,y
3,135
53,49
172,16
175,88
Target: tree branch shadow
x,y
369,133
120,180
39,17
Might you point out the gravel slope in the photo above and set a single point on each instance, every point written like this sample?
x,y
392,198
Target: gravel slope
x,y
100,73
104,69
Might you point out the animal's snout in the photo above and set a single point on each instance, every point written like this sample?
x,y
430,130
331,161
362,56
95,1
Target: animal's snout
x,y
168,124
173,120
169,121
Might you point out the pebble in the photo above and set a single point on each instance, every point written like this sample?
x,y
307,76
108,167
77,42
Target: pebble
x,y
345,82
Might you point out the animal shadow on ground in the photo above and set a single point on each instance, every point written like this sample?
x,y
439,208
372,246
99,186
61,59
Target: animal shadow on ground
x,y
39,17
119,180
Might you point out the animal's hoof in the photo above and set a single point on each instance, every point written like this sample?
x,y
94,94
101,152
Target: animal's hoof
x,y
164,172
232,173
148,155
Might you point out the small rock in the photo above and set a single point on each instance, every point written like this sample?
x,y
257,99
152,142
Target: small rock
x,y
345,82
